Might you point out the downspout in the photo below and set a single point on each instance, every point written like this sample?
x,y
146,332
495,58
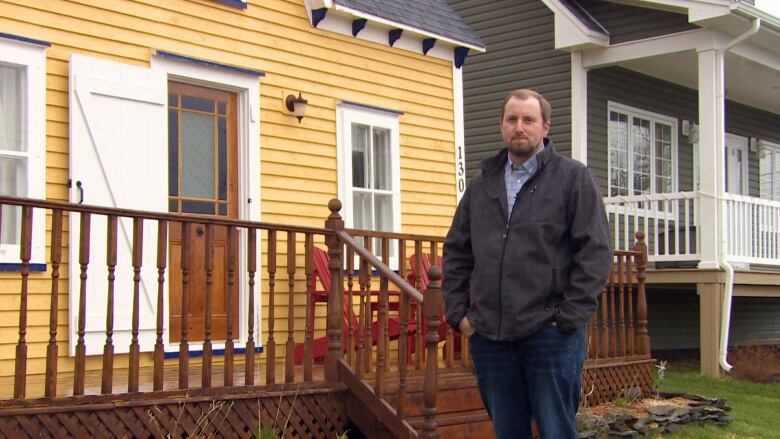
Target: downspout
x,y
728,291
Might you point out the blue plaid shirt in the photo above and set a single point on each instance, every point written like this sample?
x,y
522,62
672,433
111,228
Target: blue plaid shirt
x,y
516,176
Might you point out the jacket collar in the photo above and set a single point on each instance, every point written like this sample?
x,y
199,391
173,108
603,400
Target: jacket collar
x,y
493,170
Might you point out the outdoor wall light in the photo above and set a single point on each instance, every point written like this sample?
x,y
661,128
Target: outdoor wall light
x,y
296,105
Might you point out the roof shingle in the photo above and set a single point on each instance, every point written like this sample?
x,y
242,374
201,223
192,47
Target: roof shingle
x,y
434,16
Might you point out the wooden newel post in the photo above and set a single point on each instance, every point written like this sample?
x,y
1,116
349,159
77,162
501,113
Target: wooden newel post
x,y
334,223
433,307
642,337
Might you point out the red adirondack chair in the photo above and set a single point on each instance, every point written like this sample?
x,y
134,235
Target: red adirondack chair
x,y
320,345
412,278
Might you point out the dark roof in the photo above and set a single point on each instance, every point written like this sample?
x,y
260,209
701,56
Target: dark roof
x,y
434,16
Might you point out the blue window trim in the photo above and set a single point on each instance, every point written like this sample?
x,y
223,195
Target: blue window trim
x,y
241,4
371,107
203,62
25,39
198,353
10,268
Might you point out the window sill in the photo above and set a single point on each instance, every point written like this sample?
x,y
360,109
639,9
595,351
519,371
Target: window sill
x,y
235,3
11,268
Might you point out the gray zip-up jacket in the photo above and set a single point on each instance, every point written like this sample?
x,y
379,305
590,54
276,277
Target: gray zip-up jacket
x,y
548,263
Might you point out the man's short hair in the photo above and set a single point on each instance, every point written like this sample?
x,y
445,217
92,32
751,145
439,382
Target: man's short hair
x,y
527,93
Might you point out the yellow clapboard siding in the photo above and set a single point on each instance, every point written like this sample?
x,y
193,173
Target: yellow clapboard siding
x,y
298,161
323,187
158,39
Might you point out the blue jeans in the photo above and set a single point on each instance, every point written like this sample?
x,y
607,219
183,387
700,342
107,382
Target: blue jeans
x,y
537,377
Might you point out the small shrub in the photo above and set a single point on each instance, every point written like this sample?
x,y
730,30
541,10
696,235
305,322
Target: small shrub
x,y
757,363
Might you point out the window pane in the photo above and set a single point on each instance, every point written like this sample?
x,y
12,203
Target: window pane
x,y
197,134
383,212
663,157
223,161
361,210
13,182
360,157
13,135
173,153
196,103
618,151
382,164
641,145
383,220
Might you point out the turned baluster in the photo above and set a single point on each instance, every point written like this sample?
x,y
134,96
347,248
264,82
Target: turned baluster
x,y
108,348
25,253
162,263
270,363
135,349
80,361
56,259
249,366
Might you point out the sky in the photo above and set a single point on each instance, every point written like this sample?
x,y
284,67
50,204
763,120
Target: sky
x,y
771,6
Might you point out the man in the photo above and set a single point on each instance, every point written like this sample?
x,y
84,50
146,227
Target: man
x,y
524,262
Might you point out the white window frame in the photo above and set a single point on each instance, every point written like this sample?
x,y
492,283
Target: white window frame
x,y
347,114
775,151
32,58
247,88
653,117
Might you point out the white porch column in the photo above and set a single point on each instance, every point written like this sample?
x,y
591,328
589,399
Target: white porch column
x,y
579,109
711,157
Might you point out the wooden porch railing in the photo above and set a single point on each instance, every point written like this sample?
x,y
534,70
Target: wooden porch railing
x,y
392,332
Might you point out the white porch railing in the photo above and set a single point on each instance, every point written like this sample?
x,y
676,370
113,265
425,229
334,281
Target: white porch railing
x,y
668,220
752,230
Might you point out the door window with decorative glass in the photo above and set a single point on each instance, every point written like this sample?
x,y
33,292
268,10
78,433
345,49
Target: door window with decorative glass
x,y
642,152
369,163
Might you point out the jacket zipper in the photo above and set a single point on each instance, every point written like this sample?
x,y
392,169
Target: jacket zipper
x,y
503,248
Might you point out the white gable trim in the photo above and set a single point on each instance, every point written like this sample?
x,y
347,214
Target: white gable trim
x,y
700,39
697,9
570,31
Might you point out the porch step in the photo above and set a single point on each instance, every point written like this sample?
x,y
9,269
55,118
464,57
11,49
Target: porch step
x,y
460,410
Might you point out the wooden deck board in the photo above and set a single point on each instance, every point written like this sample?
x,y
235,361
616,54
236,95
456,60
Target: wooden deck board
x,y
93,378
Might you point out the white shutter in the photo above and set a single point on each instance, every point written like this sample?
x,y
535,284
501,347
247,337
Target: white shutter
x,y
119,156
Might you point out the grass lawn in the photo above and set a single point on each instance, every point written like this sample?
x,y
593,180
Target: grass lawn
x,y
755,407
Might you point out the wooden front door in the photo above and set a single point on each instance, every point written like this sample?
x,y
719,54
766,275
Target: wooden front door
x,y
202,179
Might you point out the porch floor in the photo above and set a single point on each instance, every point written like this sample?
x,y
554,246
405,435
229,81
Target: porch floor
x,y
93,378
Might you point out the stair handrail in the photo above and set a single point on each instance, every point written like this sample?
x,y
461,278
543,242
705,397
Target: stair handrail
x,y
336,369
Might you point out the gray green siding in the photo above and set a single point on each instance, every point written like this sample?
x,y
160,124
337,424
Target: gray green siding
x,y
520,54
645,93
673,319
649,94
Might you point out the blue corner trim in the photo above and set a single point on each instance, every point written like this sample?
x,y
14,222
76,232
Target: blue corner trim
x,y
394,35
371,107
427,45
25,39
460,56
235,3
203,62
199,353
18,267
318,15
358,25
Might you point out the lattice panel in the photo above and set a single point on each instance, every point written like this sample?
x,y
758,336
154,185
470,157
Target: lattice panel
x,y
320,415
601,384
